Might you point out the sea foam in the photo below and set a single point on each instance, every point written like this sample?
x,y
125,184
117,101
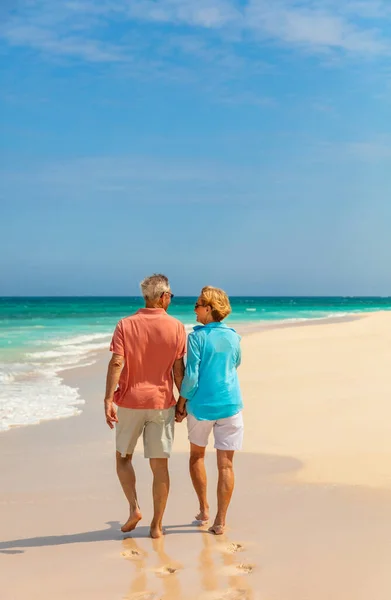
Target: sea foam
x,y
32,390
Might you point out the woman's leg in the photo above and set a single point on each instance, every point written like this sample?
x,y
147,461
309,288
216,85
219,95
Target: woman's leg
x,y
225,488
198,477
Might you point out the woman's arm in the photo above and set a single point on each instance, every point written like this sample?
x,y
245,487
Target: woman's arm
x,y
190,380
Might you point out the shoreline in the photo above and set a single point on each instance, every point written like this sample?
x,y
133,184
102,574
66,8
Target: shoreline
x,y
243,328
307,519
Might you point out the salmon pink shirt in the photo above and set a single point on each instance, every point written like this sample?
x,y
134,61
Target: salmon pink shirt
x,y
150,342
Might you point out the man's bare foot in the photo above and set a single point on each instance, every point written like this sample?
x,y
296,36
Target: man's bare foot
x,y
203,516
217,529
131,523
156,532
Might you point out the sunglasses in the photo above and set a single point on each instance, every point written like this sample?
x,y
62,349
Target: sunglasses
x,y
171,294
197,305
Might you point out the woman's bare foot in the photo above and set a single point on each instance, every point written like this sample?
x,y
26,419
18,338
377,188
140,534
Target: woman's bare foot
x,y
156,530
203,515
131,523
217,529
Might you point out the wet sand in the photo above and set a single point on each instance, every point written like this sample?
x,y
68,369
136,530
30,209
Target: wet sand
x,y
311,513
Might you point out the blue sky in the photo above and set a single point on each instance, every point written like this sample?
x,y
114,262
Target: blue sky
x,y
239,144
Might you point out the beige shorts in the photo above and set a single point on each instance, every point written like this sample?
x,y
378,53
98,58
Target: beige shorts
x,y
157,427
228,433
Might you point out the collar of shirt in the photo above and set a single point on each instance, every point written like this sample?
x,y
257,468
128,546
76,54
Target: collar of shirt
x,y
150,311
210,325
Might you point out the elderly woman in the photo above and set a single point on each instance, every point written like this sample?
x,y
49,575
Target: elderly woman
x,y
211,400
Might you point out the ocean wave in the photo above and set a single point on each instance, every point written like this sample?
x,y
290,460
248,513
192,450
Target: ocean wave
x,y
30,396
83,339
74,340
68,350
6,378
32,390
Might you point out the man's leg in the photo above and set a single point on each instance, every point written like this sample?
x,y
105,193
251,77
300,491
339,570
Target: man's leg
x,y
127,478
160,489
198,477
158,439
225,488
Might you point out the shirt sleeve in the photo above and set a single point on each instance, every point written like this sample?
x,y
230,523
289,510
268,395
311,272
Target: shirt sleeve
x,y
190,380
181,349
118,343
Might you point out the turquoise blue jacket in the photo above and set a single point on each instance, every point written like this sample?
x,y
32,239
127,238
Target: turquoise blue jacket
x,y
211,384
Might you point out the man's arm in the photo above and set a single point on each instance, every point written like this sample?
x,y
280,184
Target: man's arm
x,y
179,372
113,374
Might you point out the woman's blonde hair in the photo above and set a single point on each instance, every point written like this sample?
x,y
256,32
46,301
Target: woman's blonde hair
x,y
218,300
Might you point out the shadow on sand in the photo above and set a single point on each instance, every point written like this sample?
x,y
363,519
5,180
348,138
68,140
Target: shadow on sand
x,y
112,533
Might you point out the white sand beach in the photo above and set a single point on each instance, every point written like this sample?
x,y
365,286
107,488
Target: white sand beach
x,y
311,513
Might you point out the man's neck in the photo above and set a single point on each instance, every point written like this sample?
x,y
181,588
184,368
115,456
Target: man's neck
x,y
152,305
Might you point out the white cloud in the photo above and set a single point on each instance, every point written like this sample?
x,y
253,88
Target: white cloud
x,y
316,29
372,151
127,170
87,29
202,13
372,9
153,179
71,46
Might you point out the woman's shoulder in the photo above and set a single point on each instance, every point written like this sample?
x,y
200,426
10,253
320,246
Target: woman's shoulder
x,y
198,330
232,337
230,331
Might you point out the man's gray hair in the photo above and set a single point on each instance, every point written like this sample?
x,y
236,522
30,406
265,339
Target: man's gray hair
x,y
154,286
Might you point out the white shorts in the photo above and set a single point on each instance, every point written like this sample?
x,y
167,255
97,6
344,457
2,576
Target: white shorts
x,y
228,433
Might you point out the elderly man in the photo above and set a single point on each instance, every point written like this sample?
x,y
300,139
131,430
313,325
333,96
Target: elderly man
x,y
148,349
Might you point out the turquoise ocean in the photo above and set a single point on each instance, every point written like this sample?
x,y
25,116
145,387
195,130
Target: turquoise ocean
x,y
41,337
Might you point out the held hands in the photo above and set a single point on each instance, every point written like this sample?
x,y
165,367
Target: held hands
x,y
179,416
110,413
180,410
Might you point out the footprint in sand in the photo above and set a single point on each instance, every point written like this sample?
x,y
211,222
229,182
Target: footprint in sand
x,y
240,569
132,554
230,594
143,596
236,595
166,570
245,568
233,548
